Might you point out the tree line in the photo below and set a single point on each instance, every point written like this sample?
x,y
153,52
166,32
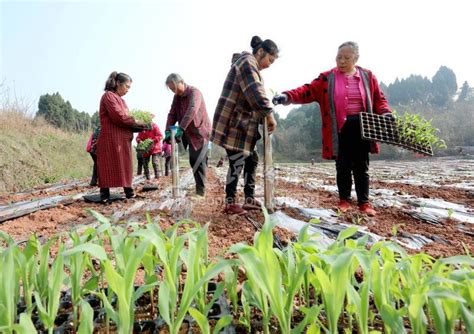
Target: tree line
x,y
299,134
61,114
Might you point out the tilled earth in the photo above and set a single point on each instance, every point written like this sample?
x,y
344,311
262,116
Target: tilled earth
x,y
442,181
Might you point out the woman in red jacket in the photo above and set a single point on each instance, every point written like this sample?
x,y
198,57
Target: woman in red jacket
x,y
154,152
342,93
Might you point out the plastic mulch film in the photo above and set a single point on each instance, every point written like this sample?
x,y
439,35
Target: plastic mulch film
x,y
16,211
385,130
327,231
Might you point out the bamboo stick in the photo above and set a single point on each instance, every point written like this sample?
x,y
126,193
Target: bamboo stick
x,y
174,162
268,171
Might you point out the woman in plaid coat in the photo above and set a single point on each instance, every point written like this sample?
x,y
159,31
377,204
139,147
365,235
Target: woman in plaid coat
x,y
242,106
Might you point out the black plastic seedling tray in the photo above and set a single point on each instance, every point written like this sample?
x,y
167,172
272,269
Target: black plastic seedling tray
x,y
385,130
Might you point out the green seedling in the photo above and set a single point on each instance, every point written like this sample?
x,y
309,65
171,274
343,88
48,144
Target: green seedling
x,y
145,145
415,129
140,115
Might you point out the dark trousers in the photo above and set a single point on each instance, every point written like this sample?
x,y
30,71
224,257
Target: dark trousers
x,y
94,169
353,157
237,162
146,165
167,165
139,163
197,160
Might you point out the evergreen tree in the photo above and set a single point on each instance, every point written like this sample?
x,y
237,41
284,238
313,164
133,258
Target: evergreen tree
x,y
61,114
444,86
465,90
95,121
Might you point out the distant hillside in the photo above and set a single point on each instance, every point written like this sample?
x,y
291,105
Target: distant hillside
x,y
33,153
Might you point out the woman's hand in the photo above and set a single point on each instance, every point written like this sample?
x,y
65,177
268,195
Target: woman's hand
x,y
140,123
280,99
271,123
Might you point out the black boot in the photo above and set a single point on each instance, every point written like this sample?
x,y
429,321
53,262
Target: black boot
x,y
129,193
104,195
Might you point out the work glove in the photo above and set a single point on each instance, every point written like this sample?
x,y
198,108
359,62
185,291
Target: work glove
x,y
177,136
280,99
389,115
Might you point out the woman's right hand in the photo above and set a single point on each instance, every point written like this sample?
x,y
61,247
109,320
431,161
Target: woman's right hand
x,y
280,99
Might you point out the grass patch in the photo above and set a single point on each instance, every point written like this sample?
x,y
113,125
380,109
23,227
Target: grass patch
x,y
33,152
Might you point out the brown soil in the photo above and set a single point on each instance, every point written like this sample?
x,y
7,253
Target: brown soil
x,y
226,230
449,194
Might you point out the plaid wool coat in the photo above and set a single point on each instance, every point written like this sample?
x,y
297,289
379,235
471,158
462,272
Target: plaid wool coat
x,y
321,90
241,107
114,143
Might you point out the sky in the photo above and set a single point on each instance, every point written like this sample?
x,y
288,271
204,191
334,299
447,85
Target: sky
x,y
71,47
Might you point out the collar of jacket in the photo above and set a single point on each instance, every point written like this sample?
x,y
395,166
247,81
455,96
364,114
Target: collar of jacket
x,y
187,91
237,56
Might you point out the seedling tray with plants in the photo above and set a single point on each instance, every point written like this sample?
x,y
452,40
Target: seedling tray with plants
x,y
408,131
144,146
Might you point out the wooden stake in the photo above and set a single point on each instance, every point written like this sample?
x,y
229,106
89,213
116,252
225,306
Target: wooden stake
x,y
174,162
268,171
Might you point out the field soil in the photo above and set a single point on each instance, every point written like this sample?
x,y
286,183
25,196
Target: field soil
x,y
396,188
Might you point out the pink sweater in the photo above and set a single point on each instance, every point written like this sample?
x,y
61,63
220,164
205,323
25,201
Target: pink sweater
x,y
349,96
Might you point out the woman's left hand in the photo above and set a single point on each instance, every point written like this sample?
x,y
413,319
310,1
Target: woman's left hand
x,y
271,123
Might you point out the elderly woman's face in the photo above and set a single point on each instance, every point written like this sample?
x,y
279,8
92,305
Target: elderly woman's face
x,y
346,59
177,89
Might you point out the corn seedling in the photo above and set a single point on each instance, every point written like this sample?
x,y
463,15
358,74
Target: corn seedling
x,y
331,276
197,276
27,267
203,323
87,318
150,266
8,289
281,286
231,286
196,258
168,248
395,228
121,281
41,282
244,319
48,311
450,213
77,259
25,326
383,282
358,219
